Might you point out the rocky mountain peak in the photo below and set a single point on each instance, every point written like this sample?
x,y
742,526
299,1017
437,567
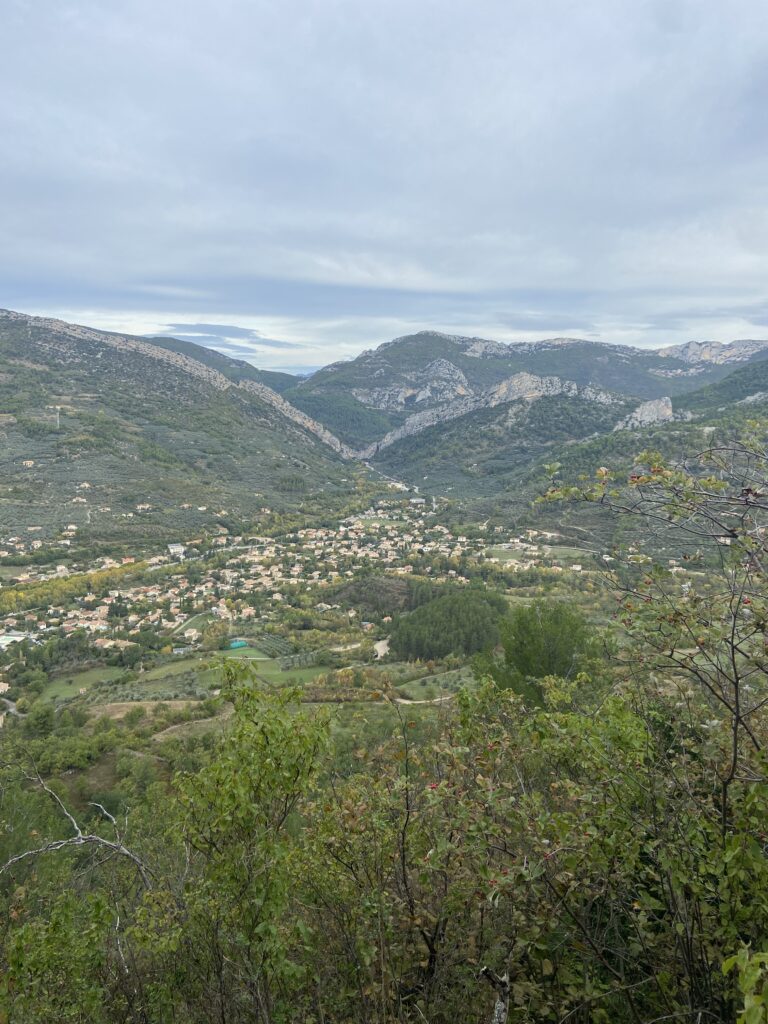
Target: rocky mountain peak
x,y
716,352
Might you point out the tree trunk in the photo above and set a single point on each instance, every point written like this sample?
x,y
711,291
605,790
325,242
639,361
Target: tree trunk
x,y
501,986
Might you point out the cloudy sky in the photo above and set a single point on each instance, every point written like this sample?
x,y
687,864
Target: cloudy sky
x,y
295,180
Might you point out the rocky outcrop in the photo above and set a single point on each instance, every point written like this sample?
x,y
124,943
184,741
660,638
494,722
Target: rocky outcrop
x,y
714,351
521,386
439,381
480,349
389,399
528,385
658,410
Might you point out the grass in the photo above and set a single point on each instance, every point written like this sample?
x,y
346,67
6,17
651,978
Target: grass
x,y
117,710
514,597
251,653
351,723
563,551
171,668
271,672
196,728
557,551
399,670
208,671
198,621
70,685
188,677
509,554
184,677
438,685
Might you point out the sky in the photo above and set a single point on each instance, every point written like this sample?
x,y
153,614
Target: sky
x,y
293,182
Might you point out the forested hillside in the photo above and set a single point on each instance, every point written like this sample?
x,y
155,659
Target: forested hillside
x,y
484,452
98,433
747,384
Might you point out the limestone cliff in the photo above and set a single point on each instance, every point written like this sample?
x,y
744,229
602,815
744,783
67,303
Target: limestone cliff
x,y
439,381
697,352
525,386
658,410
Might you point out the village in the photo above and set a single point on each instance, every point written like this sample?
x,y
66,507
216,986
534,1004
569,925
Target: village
x,y
243,593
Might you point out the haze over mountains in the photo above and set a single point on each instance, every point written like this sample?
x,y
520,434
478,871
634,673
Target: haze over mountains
x,y
110,430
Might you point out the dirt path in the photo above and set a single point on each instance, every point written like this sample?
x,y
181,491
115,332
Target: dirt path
x,y
165,733
435,700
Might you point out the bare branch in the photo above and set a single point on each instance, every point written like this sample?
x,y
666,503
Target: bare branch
x,y
79,839
104,811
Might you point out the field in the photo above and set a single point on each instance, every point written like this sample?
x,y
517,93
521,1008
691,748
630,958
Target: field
x,y
119,709
271,672
562,551
508,554
354,727
191,677
172,668
70,685
441,684
198,675
199,621
250,653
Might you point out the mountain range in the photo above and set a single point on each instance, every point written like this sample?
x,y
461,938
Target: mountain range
x,y
381,391
110,432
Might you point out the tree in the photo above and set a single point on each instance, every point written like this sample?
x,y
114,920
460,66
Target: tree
x,y
703,623
214,636
463,622
40,720
233,930
545,638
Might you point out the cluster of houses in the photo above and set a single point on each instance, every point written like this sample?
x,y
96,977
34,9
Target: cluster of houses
x,y
389,537
256,564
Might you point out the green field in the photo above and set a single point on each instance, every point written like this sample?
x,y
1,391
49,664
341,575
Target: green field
x,y
189,676
508,554
251,653
564,552
70,685
172,668
271,672
441,684
194,675
199,621
7,572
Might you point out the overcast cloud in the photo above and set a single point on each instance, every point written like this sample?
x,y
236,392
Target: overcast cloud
x,y
331,173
